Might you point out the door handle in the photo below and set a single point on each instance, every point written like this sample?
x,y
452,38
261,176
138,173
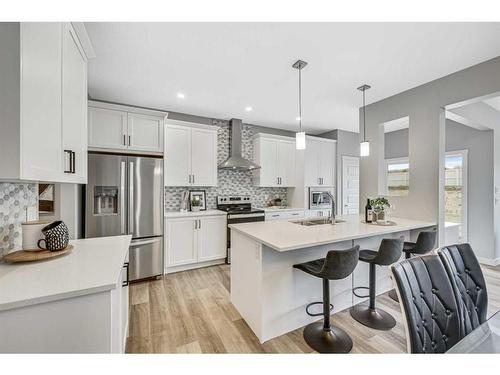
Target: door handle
x,y
122,197
124,140
129,140
141,243
199,224
131,198
126,282
193,179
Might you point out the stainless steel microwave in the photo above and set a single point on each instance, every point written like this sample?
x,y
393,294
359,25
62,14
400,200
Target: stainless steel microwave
x,y
319,198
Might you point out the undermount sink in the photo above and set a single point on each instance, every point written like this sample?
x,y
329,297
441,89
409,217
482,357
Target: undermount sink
x,y
312,222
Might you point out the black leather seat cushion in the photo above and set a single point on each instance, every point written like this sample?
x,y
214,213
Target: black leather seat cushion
x,y
337,265
468,284
429,304
367,255
313,267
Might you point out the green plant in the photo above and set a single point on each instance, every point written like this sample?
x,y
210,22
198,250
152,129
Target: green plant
x,y
380,203
195,202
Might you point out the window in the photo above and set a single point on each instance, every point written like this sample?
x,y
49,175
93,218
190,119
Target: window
x,y
397,176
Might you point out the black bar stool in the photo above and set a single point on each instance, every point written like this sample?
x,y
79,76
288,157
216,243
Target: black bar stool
x,y
426,241
322,336
370,316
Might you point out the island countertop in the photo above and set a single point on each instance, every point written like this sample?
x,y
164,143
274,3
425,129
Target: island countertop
x,y
94,265
283,235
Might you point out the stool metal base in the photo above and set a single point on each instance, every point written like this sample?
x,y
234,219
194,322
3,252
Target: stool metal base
x,y
334,340
373,318
393,295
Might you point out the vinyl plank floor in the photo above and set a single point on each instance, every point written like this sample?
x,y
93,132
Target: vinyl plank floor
x,y
191,312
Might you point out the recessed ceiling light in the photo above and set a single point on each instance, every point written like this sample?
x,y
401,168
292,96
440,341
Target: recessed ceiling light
x,y
180,95
248,109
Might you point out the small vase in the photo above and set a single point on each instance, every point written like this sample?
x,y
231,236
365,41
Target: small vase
x,y
195,208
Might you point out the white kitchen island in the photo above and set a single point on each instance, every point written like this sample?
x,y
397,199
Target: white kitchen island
x,y
271,295
76,303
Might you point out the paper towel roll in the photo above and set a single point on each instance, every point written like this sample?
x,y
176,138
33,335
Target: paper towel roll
x,y
32,232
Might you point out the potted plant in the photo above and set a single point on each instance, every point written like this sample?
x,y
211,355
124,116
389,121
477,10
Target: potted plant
x,y
195,204
379,205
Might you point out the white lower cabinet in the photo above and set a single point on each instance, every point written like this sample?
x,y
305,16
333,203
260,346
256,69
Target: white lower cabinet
x,y
193,241
284,215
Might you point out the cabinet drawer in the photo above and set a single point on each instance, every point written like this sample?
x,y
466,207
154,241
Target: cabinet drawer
x,y
284,215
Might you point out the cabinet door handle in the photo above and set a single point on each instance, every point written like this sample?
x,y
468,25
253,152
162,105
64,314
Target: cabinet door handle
x,y
73,161
70,170
129,139
193,179
126,282
199,224
196,224
124,140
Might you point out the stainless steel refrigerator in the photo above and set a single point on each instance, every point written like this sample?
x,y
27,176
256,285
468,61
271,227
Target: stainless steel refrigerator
x,y
124,195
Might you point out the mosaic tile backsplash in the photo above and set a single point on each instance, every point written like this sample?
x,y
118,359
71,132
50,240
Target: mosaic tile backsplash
x,y
14,199
229,182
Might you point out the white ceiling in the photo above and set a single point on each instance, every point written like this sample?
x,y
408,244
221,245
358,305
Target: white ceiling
x,y
481,115
224,67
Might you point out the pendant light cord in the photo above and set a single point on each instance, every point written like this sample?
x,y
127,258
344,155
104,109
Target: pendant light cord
x,y
300,99
364,117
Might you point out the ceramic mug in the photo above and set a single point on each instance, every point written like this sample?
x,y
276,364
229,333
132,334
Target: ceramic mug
x,y
56,236
32,232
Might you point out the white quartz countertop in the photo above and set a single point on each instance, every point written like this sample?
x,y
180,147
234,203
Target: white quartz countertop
x,y
94,265
280,209
172,214
284,235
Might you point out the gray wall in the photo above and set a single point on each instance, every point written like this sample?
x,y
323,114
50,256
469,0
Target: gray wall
x,y
396,144
480,184
347,145
423,105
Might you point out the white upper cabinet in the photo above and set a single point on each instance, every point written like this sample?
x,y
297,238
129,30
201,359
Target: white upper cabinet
x,y
319,162
107,128
145,132
74,108
276,157
190,154
119,127
43,103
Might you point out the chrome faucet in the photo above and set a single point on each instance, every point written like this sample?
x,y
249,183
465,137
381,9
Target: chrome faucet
x,y
332,214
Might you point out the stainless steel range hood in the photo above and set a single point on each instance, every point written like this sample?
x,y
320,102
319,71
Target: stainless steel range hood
x,y
235,161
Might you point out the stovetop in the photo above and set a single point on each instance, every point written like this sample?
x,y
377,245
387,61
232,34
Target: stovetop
x,y
236,205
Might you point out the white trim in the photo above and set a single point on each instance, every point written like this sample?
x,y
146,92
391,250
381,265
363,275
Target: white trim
x,y
273,136
403,160
321,139
190,124
83,37
465,193
127,108
192,266
441,180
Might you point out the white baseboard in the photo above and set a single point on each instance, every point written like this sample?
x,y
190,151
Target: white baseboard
x,y
488,261
194,265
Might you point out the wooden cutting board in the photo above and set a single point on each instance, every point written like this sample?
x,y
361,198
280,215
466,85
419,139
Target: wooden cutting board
x,y
34,256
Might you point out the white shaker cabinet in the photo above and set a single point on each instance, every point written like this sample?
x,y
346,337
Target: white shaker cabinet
x,y
118,127
190,154
319,162
194,241
276,157
43,103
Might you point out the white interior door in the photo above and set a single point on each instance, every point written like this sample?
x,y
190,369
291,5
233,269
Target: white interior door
x,y
350,185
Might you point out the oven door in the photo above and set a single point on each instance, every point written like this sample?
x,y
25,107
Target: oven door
x,y
238,219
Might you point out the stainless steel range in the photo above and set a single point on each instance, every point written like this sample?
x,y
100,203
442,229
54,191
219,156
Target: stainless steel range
x,y
239,210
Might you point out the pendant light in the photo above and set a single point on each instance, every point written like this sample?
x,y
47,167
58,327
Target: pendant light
x,y
364,146
300,136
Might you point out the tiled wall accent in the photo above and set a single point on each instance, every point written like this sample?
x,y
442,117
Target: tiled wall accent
x,y
14,199
229,182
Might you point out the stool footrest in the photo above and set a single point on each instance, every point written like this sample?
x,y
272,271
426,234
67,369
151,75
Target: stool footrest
x,y
316,303
360,287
